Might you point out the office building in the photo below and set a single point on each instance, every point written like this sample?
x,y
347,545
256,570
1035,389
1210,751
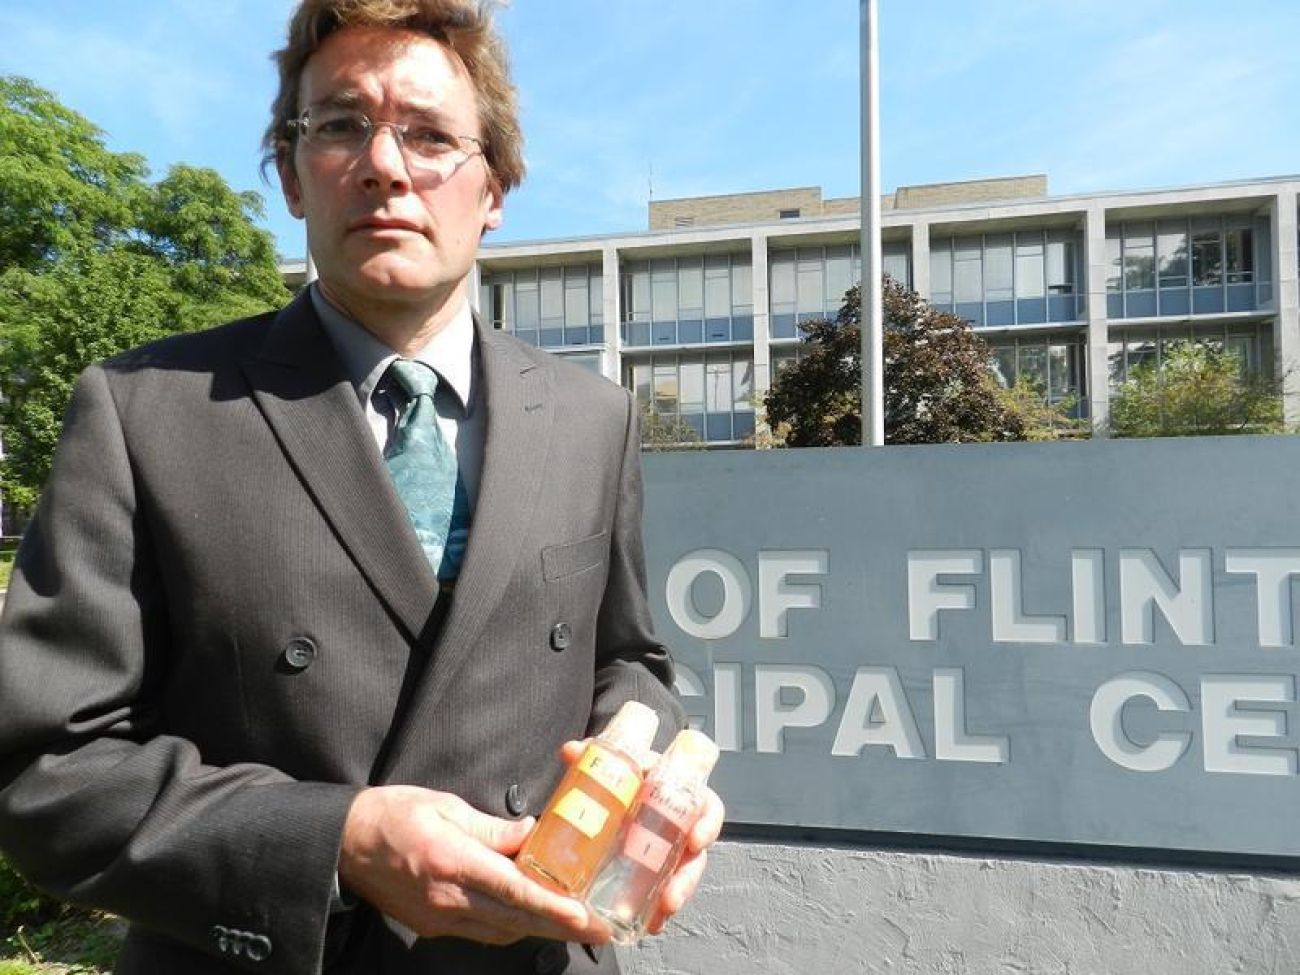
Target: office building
x,y
700,311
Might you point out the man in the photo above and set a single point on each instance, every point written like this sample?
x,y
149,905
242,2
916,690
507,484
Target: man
x,y
261,698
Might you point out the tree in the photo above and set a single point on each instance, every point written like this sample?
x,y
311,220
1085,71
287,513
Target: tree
x,y
1041,420
1197,390
62,189
666,431
95,260
939,386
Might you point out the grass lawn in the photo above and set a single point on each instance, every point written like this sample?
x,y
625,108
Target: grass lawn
x,y
80,943
7,550
40,936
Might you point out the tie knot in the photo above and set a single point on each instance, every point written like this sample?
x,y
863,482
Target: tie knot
x,y
415,378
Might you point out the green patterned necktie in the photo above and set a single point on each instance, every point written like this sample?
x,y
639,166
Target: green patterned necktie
x,y
425,472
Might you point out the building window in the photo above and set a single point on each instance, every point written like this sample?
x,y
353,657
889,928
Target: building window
x,y
687,300
591,361
1139,257
1238,257
789,214
1028,277
1188,266
1055,367
1171,254
711,392
809,283
550,307
782,358
1251,342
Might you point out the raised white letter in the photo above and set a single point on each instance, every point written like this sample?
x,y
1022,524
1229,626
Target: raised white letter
x,y
776,596
726,707
1107,719
1273,569
1010,624
1222,722
926,595
736,593
1088,583
1144,585
774,716
951,742
687,683
877,713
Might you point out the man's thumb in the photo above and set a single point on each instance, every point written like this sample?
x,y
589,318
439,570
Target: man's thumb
x,y
505,836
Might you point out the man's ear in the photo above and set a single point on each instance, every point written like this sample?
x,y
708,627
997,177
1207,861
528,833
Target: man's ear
x,y
289,184
495,212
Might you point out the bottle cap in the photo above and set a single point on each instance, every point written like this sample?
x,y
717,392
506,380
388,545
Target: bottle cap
x,y
632,730
692,755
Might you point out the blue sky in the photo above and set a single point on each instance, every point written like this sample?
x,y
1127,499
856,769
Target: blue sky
x,y
693,97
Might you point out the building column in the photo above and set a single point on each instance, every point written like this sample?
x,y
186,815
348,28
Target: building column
x,y
475,285
921,259
611,363
1286,299
762,334
1098,374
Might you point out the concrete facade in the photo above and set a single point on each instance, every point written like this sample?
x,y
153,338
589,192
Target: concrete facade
x,y
791,909
740,208
1071,291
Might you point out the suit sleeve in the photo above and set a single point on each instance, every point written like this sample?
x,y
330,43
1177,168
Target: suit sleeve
x,y
631,664
97,804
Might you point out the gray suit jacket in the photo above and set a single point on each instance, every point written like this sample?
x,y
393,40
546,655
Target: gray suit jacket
x,y
221,627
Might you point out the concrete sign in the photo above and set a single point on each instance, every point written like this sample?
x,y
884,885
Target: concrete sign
x,y
1084,643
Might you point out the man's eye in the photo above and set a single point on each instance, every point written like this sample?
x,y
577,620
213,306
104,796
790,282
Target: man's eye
x,y
425,138
339,128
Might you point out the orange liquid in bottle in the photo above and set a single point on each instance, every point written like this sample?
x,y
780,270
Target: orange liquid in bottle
x,y
581,823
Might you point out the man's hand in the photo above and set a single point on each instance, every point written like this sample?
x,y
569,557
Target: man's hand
x,y
681,886
440,867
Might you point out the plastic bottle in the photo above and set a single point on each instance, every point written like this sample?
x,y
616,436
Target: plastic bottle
x,y
581,822
628,887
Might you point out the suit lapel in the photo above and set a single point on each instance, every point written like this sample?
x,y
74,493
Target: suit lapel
x,y
299,385
520,412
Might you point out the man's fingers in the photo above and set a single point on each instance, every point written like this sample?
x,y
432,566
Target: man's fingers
x,y
709,824
678,891
571,751
538,913
504,836
485,883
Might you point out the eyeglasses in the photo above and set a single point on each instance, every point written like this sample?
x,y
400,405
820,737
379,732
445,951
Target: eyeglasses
x,y
345,133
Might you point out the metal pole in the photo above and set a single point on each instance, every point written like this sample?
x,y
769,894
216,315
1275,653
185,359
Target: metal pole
x,y
873,380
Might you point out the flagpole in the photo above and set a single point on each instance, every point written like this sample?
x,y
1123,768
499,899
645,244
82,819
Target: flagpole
x,y
873,386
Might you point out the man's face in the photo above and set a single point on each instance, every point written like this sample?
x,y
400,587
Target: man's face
x,y
378,229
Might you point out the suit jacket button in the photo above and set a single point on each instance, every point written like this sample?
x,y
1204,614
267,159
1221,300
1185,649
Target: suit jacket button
x,y
299,654
516,800
258,947
561,635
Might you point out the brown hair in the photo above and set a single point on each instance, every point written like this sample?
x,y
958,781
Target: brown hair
x,y
464,27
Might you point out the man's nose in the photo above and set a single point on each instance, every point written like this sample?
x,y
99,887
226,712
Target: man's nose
x,y
383,161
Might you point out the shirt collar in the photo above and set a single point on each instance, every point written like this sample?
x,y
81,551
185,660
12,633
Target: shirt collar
x,y
365,359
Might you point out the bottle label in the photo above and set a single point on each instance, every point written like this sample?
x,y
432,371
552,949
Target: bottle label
x,y
611,772
674,804
646,848
582,812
